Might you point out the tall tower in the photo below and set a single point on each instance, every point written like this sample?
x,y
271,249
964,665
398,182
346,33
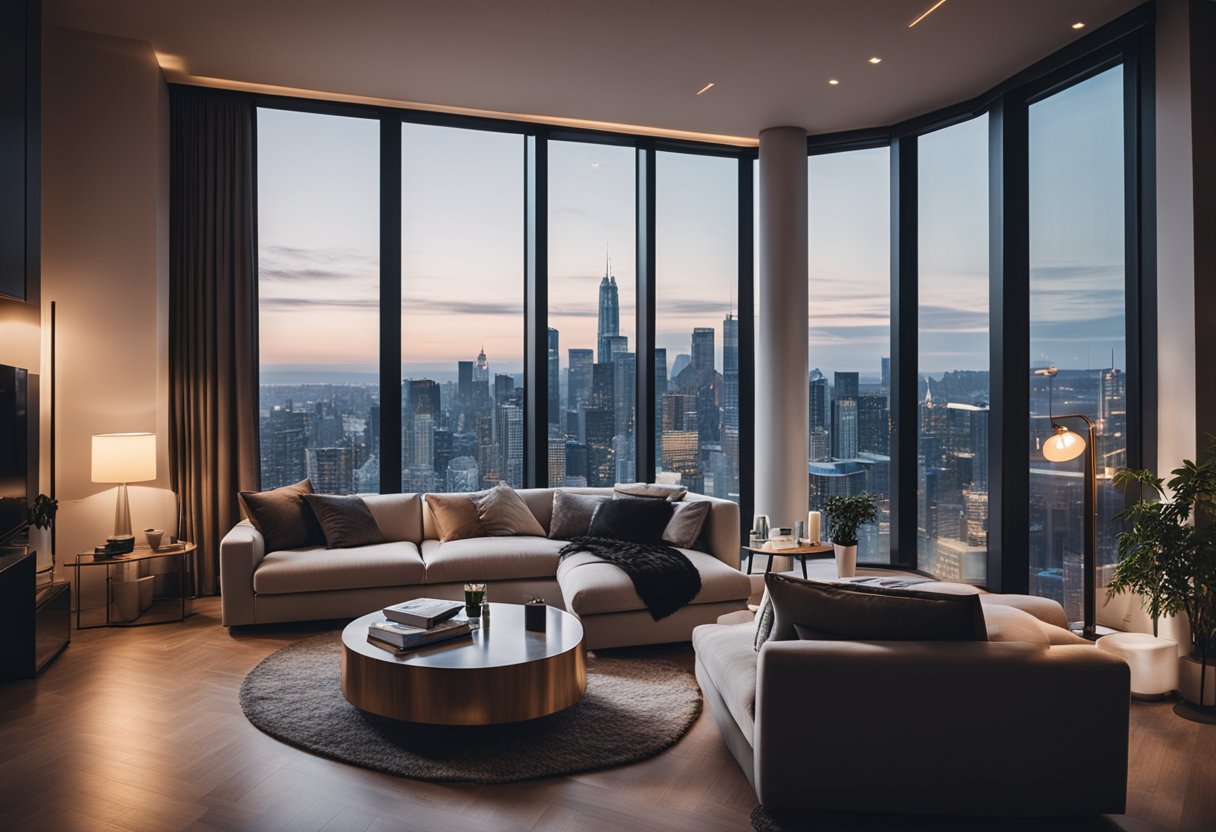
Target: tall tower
x,y
609,315
702,348
730,371
481,371
554,397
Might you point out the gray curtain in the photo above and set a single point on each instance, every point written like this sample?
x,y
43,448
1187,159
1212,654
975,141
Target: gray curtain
x,y
213,317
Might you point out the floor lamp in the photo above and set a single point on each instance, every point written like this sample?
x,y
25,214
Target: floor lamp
x,y
1062,447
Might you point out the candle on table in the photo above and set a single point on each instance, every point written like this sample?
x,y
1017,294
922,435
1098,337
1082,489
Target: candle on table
x,y
812,525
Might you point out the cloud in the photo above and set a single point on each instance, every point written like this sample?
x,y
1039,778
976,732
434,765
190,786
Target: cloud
x,y
300,304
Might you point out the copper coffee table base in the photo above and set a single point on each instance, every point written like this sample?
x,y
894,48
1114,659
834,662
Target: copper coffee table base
x,y
503,673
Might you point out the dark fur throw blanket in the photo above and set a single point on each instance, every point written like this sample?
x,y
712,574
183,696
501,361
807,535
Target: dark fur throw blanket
x,y
664,577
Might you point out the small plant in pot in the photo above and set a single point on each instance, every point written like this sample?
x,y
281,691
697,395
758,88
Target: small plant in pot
x,y
845,515
1168,555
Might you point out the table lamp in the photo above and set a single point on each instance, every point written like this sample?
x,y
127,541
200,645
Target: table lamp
x,y
122,458
1062,447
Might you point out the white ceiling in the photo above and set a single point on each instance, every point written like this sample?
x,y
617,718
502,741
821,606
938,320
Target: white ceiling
x,y
626,62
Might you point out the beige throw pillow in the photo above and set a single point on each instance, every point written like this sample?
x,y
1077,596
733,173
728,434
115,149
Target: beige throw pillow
x,y
503,513
455,515
685,525
650,490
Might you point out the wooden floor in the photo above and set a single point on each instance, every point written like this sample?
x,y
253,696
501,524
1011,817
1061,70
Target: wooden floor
x,y
140,729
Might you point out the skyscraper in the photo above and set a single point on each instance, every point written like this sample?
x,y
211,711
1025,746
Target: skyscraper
x,y
730,372
818,394
844,429
885,373
609,315
578,386
423,398
464,383
481,372
554,396
703,348
845,387
873,435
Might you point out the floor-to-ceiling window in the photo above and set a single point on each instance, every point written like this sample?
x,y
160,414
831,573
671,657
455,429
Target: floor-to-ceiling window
x,y
696,328
952,352
462,308
1077,321
849,344
318,184
592,302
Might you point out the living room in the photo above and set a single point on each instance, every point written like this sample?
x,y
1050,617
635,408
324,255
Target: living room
x,y
835,316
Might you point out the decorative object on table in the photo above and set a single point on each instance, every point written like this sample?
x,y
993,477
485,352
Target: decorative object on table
x,y
155,536
1168,555
779,539
1065,446
403,637
799,532
536,614
474,597
633,710
760,527
123,458
422,612
813,530
845,516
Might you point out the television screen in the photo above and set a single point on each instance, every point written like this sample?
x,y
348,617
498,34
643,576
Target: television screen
x,y
14,449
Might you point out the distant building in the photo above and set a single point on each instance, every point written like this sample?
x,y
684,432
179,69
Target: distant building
x,y
609,316
554,397
331,471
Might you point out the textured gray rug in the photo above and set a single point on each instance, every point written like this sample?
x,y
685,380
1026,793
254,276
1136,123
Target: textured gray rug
x,y
633,710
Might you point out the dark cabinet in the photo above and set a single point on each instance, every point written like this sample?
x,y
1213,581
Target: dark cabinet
x,y
36,620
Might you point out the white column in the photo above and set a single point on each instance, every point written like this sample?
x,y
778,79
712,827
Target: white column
x,y
781,330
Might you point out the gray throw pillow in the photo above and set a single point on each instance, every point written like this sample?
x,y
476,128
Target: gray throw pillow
x,y
649,490
686,523
504,513
764,621
282,516
572,514
843,612
346,521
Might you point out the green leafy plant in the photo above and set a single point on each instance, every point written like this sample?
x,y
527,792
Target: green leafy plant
x,y
1168,552
846,514
42,513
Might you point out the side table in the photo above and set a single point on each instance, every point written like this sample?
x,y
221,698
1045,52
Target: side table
x,y
131,598
802,553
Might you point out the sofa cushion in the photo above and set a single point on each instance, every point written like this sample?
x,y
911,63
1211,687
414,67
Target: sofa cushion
x,y
490,558
649,491
345,521
687,521
725,652
399,516
455,515
1044,609
634,519
503,513
591,586
1005,623
282,516
820,610
572,514
316,569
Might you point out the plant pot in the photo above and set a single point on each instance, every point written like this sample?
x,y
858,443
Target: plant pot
x,y
846,560
1189,669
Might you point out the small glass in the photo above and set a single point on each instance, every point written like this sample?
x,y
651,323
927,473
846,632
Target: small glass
x,y
474,597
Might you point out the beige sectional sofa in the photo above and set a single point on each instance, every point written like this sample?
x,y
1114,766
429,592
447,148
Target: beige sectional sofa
x,y
260,587
1032,722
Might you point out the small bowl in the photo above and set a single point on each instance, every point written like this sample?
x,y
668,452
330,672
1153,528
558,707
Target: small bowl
x,y
154,538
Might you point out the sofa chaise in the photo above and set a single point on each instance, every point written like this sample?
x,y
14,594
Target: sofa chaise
x,y
260,587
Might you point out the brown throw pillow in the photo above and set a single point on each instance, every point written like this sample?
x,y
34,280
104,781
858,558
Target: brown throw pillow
x,y
345,521
504,513
685,525
282,517
649,490
844,612
455,515
572,514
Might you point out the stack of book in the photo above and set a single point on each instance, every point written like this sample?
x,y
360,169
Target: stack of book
x,y
417,623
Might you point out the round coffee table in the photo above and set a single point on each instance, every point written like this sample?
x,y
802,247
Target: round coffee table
x,y
503,673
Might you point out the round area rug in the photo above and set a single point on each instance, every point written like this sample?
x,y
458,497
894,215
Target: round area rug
x,y
633,710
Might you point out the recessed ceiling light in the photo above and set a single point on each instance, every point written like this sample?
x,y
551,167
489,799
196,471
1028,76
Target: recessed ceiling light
x,y
706,88
926,13
1078,25
833,82
876,60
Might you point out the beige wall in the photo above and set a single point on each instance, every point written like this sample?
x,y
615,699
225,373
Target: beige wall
x,y
105,199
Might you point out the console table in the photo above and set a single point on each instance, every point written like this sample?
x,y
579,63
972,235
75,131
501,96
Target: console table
x,y
163,608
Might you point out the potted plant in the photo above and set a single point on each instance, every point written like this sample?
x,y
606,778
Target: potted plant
x,y
1167,554
845,515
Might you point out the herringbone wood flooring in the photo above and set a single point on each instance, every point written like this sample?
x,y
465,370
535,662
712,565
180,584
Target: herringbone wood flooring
x,y
140,729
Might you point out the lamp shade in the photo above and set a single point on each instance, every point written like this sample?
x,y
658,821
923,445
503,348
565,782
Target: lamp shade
x,y
1062,447
124,457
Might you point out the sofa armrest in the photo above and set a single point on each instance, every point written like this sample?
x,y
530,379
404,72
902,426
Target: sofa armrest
x,y
941,727
722,529
241,550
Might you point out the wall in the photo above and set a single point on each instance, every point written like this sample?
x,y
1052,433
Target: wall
x,y
105,220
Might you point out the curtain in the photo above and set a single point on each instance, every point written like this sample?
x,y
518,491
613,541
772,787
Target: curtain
x,y
213,317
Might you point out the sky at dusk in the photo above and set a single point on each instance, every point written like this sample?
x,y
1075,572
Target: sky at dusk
x,y
463,233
